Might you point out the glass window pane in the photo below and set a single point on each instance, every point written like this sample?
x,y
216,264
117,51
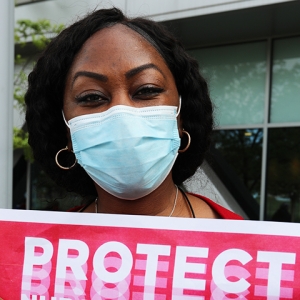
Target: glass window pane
x,y
236,159
236,76
285,101
283,175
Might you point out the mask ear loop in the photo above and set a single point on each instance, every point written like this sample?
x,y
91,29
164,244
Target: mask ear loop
x,y
62,112
179,107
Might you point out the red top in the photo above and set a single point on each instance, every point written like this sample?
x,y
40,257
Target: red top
x,y
220,210
223,212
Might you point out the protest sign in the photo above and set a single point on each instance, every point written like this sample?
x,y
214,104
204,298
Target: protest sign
x,y
59,256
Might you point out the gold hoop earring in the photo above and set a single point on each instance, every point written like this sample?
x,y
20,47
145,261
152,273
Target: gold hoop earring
x,y
188,144
59,165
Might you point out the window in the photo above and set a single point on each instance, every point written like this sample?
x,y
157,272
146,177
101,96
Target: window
x,y
236,75
256,147
283,175
241,175
285,101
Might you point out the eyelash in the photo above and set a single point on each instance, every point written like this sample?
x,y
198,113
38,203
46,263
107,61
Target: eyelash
x,y
90,97
144,93
148,92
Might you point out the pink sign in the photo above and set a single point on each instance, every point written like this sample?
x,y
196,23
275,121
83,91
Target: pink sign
x,y
60,256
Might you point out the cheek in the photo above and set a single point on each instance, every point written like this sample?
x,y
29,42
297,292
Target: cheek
x,y
68,101
70,108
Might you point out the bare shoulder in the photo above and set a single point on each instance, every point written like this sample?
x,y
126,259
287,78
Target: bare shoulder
x,y
202,209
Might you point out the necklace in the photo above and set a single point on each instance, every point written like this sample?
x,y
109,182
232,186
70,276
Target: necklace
x,y
170,215
188,202
175,202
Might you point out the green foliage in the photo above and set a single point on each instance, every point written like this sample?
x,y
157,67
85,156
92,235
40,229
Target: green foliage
x,y
19,88
21,142
39,33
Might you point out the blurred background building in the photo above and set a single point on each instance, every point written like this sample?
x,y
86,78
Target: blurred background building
x,y
249,51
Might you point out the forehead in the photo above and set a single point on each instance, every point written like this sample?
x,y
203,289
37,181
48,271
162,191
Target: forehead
x,y
117,47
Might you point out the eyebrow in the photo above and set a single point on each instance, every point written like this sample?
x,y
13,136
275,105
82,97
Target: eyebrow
x,y
128,74
141,68
93,75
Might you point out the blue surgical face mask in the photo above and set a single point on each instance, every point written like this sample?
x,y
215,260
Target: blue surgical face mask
x,y
127,151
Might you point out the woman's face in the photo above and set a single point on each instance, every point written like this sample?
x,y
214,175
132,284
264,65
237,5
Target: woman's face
x,y
117,66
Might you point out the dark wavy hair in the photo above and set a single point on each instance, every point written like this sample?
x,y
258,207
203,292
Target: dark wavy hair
x,y
44,97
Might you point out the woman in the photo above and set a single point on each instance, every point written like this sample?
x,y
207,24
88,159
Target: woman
x,y
117,110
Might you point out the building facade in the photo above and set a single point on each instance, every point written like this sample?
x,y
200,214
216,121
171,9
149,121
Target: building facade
x,y
249,51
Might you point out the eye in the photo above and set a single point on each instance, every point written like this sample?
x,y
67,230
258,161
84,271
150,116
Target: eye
x,y
91,98
147,92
